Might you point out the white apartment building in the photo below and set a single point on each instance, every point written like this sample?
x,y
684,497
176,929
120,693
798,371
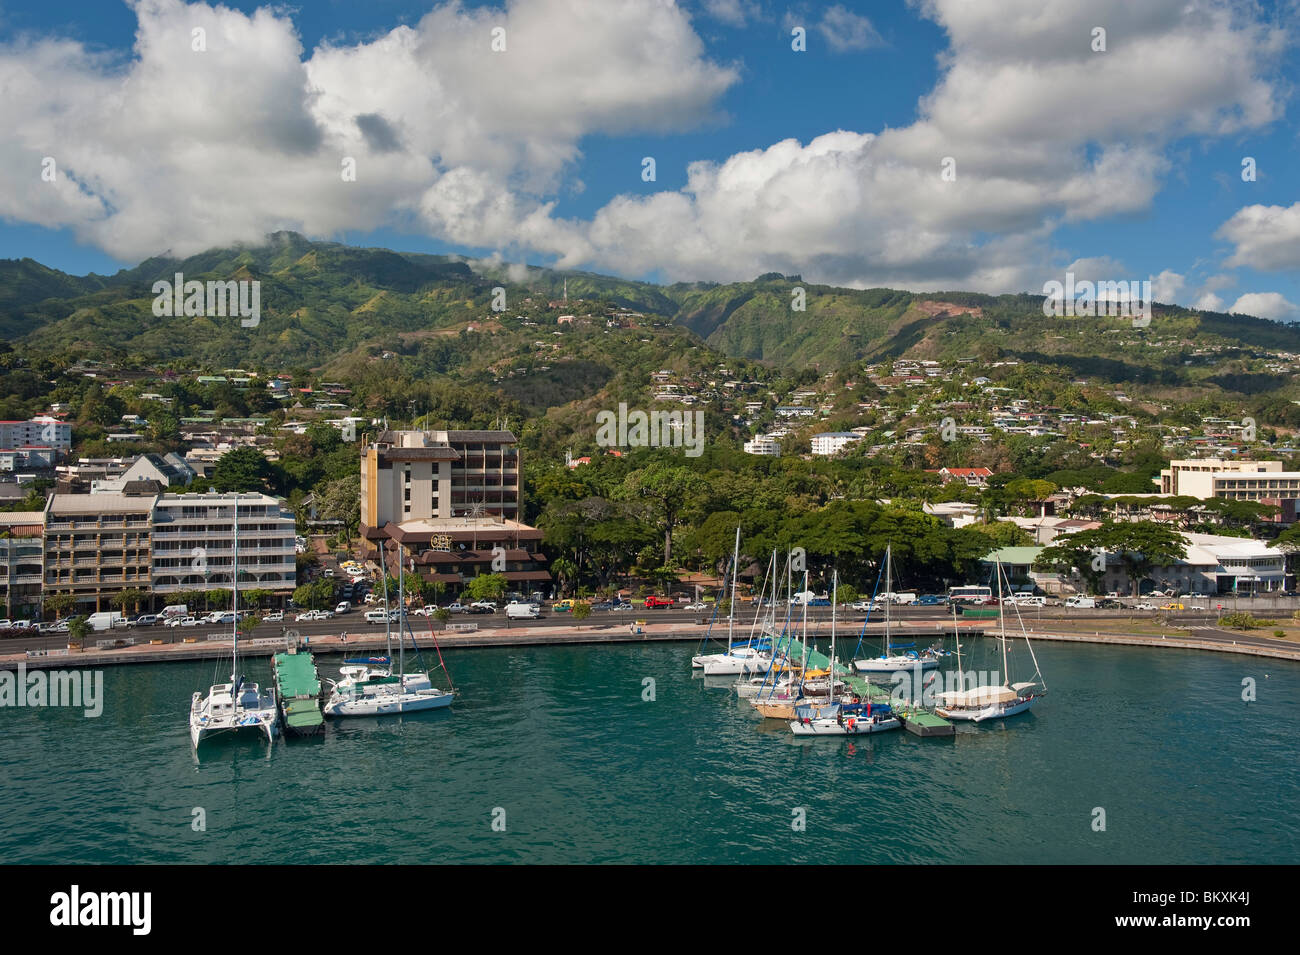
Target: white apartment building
x,y
1193,476
37,432
831,443
763,444
193,543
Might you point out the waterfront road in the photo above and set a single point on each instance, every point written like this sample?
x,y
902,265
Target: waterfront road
x,y
1201,623
922,625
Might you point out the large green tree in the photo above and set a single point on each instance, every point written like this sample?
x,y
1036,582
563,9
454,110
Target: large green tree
x,y
1139,546
243,469
669,489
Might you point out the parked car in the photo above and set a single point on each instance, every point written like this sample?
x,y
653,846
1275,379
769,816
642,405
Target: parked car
x,y
931,600
864,606
274,616
344,606
519,610
621,605
376,616
489,605
564,606
819,602
456,607
184,622
1147,605
145,620
698,607
1171,606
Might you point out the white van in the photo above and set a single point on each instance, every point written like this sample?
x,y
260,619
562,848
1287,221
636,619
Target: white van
x,y
1030,600
905,599
377,616
175,610
345,606
1085,603
522,611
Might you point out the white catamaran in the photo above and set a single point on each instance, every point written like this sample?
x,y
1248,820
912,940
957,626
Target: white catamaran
x,y
370,688
237,707
994,702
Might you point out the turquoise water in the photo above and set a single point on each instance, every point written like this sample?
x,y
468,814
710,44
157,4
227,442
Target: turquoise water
x,y
585,770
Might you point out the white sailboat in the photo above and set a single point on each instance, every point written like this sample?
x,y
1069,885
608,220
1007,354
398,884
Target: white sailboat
x,y
840,719
743,659
889,662
994,702
237,707
371,688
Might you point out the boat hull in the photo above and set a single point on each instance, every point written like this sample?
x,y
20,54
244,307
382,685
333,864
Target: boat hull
x,y
895,664
850,726
228,719
388,705
736,665
994,711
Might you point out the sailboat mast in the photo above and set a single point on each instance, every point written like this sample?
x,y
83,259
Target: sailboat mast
x,y
388,614
731,606
401,620
889,590
835,592
234,602
803,663
1002,626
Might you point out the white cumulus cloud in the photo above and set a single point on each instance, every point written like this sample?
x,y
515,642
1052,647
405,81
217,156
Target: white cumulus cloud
x,y
1266,305
1264,237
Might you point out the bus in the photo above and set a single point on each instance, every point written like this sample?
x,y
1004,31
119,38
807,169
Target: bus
x,y
970,593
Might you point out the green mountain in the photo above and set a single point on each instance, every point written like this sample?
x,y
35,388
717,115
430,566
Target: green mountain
x,y
322,301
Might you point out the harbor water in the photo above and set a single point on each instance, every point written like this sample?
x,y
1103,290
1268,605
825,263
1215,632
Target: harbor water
x,y
600,754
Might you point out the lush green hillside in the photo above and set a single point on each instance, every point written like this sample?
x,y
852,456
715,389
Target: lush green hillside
x,y
323,302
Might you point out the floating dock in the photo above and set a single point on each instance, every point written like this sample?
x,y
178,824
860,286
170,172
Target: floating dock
x,y
298,686
918,721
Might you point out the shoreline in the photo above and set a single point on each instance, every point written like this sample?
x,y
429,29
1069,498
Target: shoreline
x,y
519,637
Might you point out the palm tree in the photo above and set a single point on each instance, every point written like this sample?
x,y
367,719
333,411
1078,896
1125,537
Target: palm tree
x,y
565,570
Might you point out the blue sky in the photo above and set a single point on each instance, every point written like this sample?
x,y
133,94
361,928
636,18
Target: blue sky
x,y
1116,164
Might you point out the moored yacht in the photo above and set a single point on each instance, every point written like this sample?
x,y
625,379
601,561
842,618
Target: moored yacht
x,y
237,707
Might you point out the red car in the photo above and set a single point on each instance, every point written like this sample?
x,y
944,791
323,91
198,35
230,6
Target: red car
x,y
653,601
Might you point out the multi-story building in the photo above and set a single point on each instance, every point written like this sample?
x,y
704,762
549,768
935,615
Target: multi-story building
x,y
763,444
447,503
22,562
833,442
418,475
1192,476
193,543
36,432
97,545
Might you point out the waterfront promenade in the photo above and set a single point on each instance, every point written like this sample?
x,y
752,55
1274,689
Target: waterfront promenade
x,y
1191,636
